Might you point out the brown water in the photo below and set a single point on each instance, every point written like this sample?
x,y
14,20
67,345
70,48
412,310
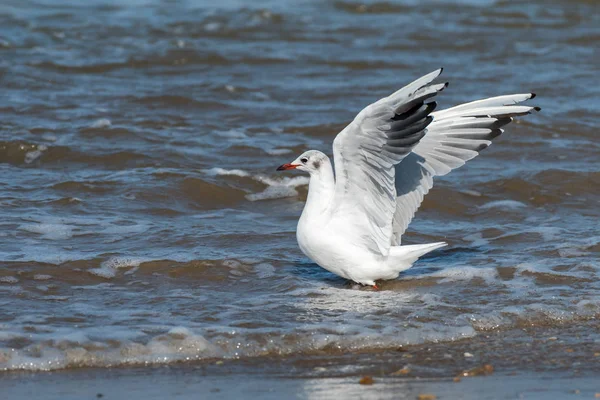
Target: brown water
x,y
143,222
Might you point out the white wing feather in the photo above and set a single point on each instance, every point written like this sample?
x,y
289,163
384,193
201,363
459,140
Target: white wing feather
x,y
365,154
455,136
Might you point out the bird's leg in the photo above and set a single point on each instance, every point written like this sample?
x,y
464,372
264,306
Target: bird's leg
x,y
356,285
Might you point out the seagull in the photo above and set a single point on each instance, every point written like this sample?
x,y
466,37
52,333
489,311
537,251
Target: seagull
x,y
385,162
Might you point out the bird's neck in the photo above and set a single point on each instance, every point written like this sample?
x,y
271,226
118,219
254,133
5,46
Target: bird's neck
x,y
320,190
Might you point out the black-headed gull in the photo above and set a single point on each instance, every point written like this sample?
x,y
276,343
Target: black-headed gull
x,y
385,161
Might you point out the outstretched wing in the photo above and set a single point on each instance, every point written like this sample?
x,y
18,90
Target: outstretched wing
x,y
365,154
455,136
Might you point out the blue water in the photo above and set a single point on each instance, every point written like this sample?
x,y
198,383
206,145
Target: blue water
x,y
142,219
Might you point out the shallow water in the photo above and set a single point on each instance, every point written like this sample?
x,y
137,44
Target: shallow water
x,y
142,219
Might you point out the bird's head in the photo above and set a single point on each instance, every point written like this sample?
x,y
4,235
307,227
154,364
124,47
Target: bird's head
x,y
309,161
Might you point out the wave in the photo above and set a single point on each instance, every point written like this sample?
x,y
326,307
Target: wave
x,y
171,58
20,152
23,153
275,187
267,313
158,344
166,101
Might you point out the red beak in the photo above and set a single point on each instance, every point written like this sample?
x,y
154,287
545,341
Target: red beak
x,y
285,167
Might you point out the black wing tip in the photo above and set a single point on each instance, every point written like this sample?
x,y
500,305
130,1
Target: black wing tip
x,y
431,106
533,95
495,133
482,147
538,109
441,70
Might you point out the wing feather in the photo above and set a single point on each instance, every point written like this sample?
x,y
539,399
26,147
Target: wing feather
x,y
365,154
455,136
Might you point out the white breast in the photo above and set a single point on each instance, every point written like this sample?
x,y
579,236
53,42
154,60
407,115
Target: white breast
x,y
332,250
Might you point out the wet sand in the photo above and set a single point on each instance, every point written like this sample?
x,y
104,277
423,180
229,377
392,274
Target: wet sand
x,y
172,382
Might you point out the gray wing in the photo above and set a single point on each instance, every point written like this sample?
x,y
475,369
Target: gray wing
x,y
455,136
365,154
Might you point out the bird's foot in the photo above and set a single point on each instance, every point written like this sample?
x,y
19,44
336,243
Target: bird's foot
x,y
356,285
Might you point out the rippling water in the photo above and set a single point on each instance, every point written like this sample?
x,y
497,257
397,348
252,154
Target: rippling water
x,y
142,219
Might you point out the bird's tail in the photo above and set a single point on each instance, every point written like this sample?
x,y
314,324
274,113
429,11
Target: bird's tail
x,y
403,257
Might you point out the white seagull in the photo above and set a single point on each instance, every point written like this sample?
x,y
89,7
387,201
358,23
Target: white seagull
x,y
385,161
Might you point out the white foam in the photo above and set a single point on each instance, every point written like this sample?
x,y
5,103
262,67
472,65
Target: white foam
x,y
273,192
465,274
101,123
279,188
78,350
548,312
31,156
51,231
264,270
54,228
8,279
278,152
491,320
548,233
108,269
473,193
503,204
276,188
226,172
532,267
572,252
476,239
232,134
212,26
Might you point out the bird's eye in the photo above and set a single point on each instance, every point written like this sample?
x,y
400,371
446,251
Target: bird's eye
x,y
304,160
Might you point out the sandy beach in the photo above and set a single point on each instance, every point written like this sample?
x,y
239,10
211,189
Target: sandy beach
x,y
175,382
